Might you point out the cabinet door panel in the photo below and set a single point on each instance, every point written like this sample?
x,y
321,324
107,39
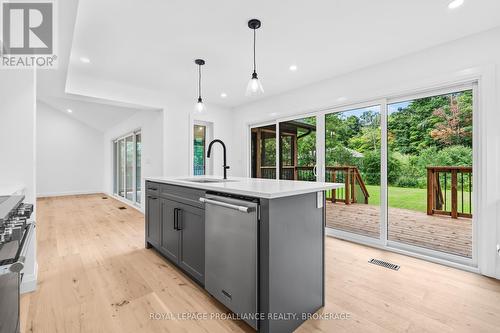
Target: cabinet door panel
x,y
192,246
153,220
169,235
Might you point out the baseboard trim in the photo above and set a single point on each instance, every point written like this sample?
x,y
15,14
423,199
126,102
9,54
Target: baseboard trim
x,y
69,193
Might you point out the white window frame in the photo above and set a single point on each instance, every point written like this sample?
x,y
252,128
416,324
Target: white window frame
x,y
209,136
132,134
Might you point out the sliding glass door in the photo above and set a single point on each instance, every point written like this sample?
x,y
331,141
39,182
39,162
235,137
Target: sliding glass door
x,y
127,165
429,166
293,150
406,166
138,159
263,152
297,149
352,157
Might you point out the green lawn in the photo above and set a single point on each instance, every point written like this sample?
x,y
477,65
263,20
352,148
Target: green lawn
x,y
410,198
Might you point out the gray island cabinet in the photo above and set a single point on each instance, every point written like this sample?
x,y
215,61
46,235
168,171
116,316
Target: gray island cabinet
x,y
283,282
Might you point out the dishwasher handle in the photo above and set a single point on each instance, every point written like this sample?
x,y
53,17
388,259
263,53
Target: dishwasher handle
x,y
228,205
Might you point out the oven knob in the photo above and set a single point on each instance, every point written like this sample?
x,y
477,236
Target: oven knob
x,y
16,267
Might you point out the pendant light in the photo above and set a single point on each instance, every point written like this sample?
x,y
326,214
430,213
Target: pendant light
x,y
254,86
200,107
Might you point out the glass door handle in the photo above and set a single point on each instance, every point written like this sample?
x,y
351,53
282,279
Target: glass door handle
x,y
315,171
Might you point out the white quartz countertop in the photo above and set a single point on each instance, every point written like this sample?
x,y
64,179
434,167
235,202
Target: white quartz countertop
x,y
253,187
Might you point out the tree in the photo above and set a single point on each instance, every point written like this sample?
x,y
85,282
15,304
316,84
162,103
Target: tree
x,y
367,140
454,126
410,126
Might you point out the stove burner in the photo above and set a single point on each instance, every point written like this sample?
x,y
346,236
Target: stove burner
x,y
14,223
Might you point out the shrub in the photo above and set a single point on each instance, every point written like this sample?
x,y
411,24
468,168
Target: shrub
x,y
371,168
340,155
413,168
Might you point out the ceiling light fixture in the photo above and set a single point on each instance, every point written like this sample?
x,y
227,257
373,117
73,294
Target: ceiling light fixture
x,y
293,68
223,95
69,110
200,107
85,60
455,4
254,86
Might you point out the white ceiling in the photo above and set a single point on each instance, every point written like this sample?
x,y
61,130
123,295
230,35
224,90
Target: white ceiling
x,y
96,113
152,44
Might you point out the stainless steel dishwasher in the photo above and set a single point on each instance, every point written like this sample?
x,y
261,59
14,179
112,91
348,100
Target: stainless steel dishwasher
x,y
231,240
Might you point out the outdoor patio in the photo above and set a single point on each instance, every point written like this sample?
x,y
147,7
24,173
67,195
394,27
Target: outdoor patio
x,y
436,232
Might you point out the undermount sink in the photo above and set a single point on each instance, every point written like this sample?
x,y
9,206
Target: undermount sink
x,y
207,180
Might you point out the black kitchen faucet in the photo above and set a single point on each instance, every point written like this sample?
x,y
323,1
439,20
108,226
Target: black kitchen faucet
x,y
225,166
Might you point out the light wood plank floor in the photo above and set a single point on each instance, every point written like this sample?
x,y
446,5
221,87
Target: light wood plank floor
x,y
436,232
96,276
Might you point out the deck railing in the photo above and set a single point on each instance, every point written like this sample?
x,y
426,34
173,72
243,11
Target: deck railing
x,y
349,175
268,172
449,191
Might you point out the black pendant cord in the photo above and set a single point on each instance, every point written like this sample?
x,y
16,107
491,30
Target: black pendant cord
x,y
254,38
199,82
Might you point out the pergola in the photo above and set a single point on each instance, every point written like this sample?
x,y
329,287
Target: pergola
x,y
264,149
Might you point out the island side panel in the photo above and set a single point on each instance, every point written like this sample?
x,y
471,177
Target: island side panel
x,y
291,260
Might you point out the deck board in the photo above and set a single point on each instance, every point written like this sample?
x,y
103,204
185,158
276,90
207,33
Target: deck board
x,y
440,233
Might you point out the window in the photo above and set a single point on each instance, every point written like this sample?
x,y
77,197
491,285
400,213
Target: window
x,y
264,152
127,167
297,149
406,165
429,164
352,154
138,181
199,150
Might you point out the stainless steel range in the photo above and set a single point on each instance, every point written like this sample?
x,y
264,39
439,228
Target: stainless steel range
x,y
15,232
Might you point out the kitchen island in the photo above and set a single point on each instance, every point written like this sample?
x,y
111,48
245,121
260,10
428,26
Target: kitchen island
x,y
256,245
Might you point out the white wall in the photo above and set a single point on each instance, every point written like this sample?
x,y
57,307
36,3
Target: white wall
x,y
17,147
70,154
150,123
178,116
476,56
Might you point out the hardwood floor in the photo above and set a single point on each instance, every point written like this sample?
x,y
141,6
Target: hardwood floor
x,y
96,276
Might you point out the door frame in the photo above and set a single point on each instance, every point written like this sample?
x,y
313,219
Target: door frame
x,y
124,161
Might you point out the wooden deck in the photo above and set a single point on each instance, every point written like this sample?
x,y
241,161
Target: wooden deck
x,y
440,233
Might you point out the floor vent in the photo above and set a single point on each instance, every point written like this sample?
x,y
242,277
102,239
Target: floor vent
x,y
122,207
104,198
384,264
